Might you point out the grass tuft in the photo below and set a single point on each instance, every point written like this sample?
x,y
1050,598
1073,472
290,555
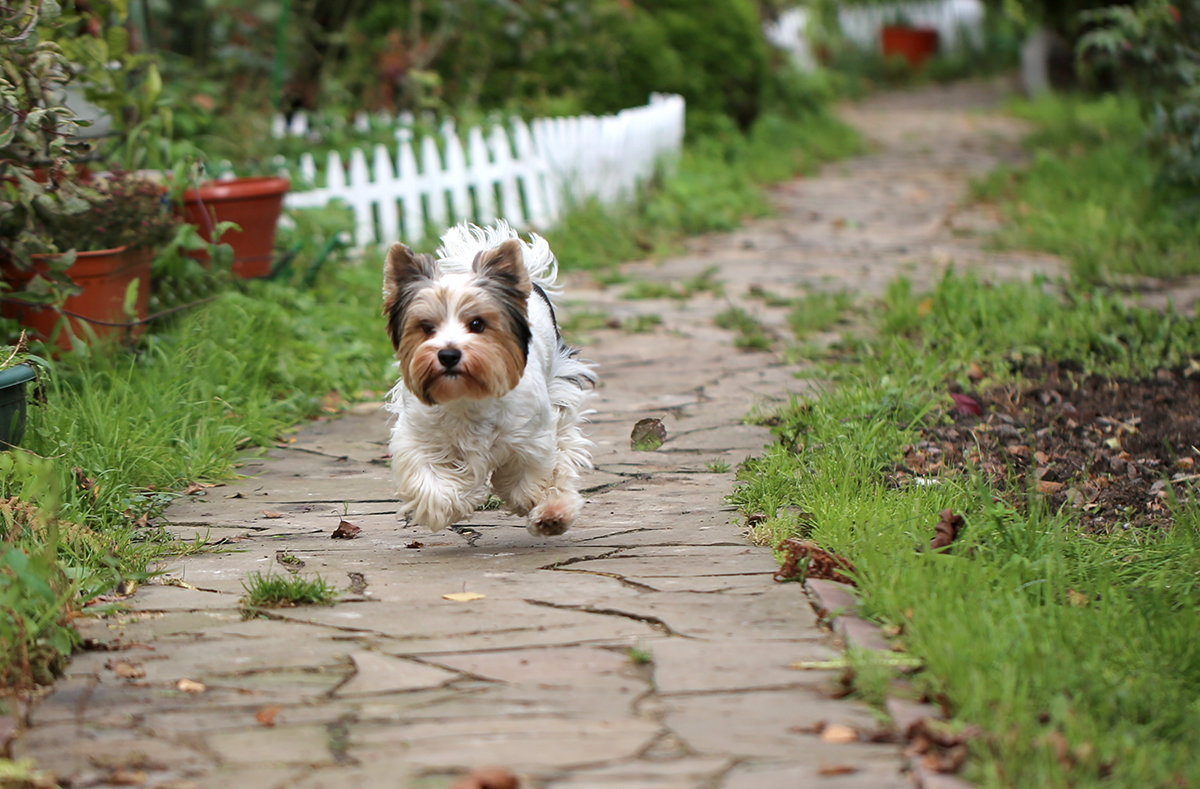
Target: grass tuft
x,y
277,591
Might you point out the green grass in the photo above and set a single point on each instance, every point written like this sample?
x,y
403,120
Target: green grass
x,y
1098,694
750,334
818,312
1090,193
681,291
117,434
276,591
641,324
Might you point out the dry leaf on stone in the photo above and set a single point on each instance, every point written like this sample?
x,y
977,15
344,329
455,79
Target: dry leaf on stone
x,y
836,769
126,670
821,563
946,530
332,402
838,734
345,531
463,597
124,777
488,778
190,686
270,514
266,716
648,435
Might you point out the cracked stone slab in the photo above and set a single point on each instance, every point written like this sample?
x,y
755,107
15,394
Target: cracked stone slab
x,y
522,744
565,666
375,674
695,666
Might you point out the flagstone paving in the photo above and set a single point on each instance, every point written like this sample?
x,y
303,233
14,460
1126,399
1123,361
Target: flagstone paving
x,y
647,647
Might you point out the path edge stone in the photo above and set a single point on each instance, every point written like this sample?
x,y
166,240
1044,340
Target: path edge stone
x,y
837,605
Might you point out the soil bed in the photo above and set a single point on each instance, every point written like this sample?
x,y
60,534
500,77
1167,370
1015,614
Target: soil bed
x,y
1114,449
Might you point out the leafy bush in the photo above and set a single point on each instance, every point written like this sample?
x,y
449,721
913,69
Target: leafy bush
x,y
1092,193
1155,48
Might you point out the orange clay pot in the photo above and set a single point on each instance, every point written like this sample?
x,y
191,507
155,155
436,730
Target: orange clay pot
x,y
254,204
914,44
104,276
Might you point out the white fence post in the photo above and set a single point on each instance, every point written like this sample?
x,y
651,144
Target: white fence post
x,y
524,173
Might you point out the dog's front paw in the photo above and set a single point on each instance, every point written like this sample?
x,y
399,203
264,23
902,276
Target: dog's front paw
x,y
554,515
434,514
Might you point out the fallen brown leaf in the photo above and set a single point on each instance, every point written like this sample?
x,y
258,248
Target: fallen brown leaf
x,y
647,435
125,777
266,716
270,514
965,404
821,563
190,686
838,734
488,778
415,544
126,670
332,402
463,597
345,531
836,769
946,530
950,760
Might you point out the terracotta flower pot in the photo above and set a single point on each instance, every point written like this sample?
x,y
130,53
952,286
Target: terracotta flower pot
x,y
914,44
254,204
104,277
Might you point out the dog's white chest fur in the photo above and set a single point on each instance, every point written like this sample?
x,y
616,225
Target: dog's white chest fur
x,y
489,397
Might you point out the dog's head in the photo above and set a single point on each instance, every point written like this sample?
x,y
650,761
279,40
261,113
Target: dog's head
x,y
458,335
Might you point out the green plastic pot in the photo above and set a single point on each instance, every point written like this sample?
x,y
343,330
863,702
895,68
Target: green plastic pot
x,y
12,403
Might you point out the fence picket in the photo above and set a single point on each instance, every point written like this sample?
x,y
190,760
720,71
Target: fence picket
x,y
526,173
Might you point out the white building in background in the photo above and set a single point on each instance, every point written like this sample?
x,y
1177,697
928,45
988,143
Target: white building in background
x,y
957,22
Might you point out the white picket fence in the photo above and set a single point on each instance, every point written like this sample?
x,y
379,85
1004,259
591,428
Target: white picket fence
x,y
527,174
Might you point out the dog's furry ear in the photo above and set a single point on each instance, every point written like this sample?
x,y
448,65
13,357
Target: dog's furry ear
x,y
505,266
404,273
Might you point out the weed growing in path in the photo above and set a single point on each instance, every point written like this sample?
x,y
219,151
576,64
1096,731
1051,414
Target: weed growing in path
x,y
275,591
751,335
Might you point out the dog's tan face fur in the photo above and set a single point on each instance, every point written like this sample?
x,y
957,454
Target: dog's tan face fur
x,y
482,317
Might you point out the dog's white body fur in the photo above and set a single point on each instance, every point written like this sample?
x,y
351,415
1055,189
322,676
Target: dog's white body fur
x,y
527,445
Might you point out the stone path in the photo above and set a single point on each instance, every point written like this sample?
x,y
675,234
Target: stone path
x,y
648,647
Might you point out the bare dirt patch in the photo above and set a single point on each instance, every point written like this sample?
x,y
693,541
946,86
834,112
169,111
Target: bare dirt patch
x,y
1113,449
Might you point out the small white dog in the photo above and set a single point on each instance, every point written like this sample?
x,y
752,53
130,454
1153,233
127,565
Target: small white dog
x,y
489,394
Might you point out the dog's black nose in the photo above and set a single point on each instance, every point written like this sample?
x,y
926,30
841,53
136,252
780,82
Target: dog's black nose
x,y
449,357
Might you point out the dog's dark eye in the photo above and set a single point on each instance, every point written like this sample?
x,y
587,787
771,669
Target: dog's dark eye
x,y
476,326
428,328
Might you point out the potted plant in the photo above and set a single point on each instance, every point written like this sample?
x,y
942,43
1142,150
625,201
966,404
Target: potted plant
x,y
253,204
914,43
16,371
95,270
